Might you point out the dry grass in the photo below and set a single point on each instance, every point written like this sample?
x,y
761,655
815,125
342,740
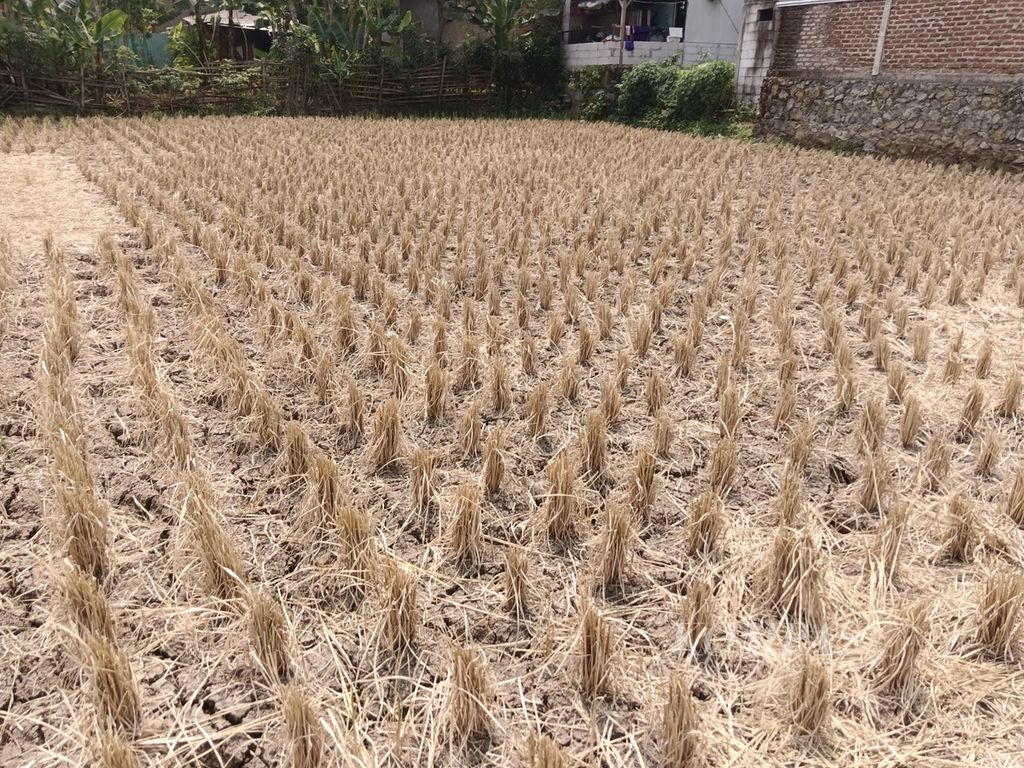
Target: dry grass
x,y
896,670
961,535
796,576
616,547
542,752
303,731
494,463
516,583
469,697
811,699
707,524
385,450
440,463
562,507
1014,503
268,638
680,729
465,526
594,652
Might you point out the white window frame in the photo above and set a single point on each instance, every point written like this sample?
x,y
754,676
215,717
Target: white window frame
x,y
792,3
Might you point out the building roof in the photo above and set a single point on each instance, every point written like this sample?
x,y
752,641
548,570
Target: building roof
x,y
240,19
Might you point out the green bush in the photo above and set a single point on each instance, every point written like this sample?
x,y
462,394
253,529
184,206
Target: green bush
x,y
592,93
665,95
540,65
643,92
183,44
703,92
28,50
528,76
419,49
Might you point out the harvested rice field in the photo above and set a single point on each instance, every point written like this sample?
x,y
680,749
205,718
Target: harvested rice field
x,y
479,443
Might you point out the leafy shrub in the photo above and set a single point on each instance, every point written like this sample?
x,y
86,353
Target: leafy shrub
x,y
541,60
592,93
644,90
183,44
420,49
29,50
665,95
703,92
521,47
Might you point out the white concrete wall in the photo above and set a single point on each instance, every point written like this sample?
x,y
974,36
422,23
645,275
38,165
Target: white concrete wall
x,y
757,44
714,22
581,55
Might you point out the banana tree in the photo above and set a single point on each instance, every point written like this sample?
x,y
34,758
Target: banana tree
x,y
73,30
368,23
85,27
99,30
499,18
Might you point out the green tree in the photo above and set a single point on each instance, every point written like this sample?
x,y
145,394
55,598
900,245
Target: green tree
x,y
60,37
500,18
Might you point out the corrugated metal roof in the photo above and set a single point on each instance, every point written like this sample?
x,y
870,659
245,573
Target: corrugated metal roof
x,y
788,3
241,19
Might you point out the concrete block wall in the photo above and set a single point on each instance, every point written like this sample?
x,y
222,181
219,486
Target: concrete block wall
x,y
582,55
755,52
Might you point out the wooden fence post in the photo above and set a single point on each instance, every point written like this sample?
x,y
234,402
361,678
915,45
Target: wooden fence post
x,y
380,87
440,85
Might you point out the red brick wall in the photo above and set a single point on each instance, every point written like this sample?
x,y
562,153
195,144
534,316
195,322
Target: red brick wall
x,y
833,36
976,36
984,36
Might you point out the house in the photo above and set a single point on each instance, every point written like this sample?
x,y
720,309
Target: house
x,y
934,78
430,16
234,35
687,30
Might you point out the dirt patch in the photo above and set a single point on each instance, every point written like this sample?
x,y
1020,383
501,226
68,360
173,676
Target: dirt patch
x,y
44,191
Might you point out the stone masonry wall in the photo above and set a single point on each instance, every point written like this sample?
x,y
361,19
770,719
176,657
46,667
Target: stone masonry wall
x,y
937,118
950,81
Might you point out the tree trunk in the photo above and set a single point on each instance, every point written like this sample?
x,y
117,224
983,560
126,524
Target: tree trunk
x,y
623,5
200,32
97,11
231,32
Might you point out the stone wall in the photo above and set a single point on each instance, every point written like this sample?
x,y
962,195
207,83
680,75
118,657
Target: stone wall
x,y
942,117
932,78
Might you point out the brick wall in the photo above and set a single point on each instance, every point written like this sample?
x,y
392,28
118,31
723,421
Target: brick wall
x,y
979,36
834,36
951,36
